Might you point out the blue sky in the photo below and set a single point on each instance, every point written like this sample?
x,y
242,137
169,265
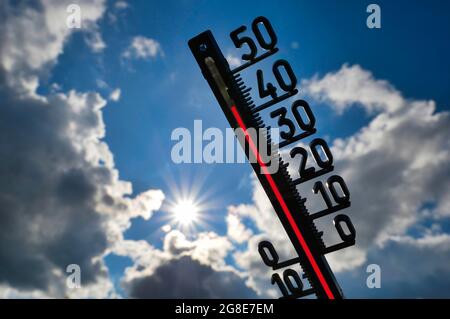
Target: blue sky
x,y
165,91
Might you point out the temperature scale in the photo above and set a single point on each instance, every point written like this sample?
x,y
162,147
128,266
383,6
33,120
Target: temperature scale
x,y
295,124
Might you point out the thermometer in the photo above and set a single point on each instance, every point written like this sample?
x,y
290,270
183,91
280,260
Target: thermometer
x,y
295,124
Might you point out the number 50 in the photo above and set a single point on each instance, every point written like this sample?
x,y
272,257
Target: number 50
x,y
240,40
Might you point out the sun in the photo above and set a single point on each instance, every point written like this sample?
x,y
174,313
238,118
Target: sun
x,y
185,212
189,206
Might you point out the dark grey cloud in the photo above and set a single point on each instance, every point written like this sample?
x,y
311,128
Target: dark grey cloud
x,y
185,277
410,268
48,193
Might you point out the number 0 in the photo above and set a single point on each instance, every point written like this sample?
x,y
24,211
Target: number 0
x,y
262,42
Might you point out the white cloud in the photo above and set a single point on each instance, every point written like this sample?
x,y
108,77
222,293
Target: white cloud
x,y
35,36
261,214
119,11
393,166
352,84
115,95
396,163
236,229
233,60
121,5
95,41
101,84
166,228
208,248
143,48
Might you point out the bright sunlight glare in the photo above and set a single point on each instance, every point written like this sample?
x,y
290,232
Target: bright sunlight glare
x,y
185,212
